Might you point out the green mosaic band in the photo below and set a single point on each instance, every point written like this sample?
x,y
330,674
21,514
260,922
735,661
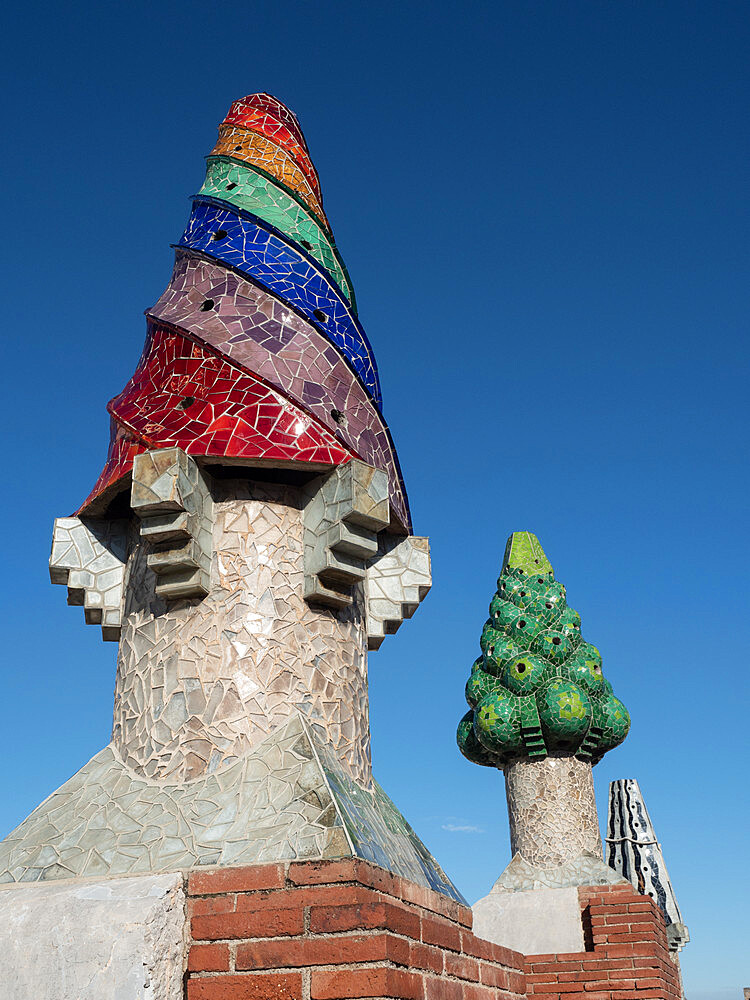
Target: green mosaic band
x,y
254,192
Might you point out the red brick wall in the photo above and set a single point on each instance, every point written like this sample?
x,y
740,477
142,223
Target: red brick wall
x,y
628,957
333,930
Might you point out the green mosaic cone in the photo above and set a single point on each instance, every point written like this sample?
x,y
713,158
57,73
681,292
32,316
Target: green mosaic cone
x,y
538,687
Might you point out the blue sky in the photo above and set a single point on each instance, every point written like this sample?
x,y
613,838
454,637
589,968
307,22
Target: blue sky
x,y
544,210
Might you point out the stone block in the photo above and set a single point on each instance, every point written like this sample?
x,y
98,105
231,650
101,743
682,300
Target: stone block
x,y
120,939
535,922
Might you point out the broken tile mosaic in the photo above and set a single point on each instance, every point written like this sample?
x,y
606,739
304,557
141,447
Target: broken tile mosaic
x,y
260,334
240,241
634,852
259,213
247,542
538,687
250,191
200,682
272,160
183,395
263,114
287,800
541,710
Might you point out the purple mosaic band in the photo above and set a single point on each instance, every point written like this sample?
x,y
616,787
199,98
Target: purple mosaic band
x,y
259,332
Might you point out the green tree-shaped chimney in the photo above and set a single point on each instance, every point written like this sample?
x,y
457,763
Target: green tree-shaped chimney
x,y
538,688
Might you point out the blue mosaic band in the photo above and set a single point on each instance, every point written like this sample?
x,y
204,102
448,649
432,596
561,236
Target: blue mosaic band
x,y
261,253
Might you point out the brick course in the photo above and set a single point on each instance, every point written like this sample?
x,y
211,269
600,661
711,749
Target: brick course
x,y
346,930
336,930
629,958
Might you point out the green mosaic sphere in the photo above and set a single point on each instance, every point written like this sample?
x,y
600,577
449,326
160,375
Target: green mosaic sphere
x,y
524,674
613,719
585,669
547,612
555,592
552,645
508,584
505,615
570,622
500,649
524,628
489,635
470,746
564,711
497,723
523,596
480,684
589,653
495,607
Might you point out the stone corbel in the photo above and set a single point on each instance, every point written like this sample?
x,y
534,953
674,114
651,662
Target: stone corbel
x,y
346,543
398,579
342,518
171,496
88,556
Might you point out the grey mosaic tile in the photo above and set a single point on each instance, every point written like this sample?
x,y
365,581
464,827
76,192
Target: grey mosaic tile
x,y
585,869
289,798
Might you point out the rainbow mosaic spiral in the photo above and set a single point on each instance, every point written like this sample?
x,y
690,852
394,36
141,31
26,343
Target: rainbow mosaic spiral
x,y
255,352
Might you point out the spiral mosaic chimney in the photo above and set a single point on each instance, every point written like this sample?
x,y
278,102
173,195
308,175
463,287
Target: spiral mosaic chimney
x,y
246,544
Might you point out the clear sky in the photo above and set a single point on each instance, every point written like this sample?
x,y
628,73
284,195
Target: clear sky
x,y
544,208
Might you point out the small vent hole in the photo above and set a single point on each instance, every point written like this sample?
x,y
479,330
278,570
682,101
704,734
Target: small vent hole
x,y
320,316
187,401
207,305
231,186
220,234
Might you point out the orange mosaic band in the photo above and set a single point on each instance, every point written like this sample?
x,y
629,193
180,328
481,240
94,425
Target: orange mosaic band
x,y
265,124
276,162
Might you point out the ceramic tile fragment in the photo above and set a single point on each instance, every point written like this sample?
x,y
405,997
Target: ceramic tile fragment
x,y
288,799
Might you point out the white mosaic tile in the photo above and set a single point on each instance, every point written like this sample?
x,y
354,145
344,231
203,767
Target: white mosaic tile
x,y
552,810
88,556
